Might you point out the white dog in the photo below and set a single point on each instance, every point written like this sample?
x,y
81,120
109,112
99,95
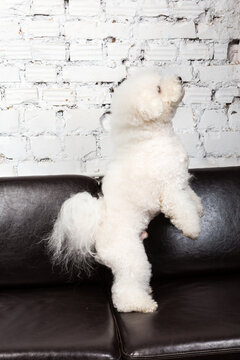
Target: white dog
x,y
148,174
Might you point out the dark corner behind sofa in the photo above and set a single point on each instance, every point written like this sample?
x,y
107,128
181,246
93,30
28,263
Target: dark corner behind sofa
x,y
46,313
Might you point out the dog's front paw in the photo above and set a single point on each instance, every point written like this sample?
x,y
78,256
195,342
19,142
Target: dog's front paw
x,y
192,227
199,206
193,234
200,209
192,231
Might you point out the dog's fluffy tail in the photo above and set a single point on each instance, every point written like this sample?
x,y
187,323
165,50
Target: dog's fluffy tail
x,y
72,240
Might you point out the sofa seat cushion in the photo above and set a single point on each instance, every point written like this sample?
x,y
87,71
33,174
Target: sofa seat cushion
x,y
197,318
62,322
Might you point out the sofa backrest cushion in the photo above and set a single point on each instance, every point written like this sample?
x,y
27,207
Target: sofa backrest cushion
x,y
218,247
28,208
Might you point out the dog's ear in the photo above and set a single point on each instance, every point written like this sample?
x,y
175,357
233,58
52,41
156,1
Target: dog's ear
x,y
105,121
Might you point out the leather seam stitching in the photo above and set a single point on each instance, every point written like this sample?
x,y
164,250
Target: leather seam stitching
x,y
187,353
115,324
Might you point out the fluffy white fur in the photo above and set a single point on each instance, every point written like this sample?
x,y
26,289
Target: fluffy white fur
x,y
148,173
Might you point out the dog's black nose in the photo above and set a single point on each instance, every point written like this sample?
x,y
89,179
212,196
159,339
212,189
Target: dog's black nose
x,y
179,78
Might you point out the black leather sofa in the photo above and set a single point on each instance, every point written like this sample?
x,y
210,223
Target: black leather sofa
x,y
46,313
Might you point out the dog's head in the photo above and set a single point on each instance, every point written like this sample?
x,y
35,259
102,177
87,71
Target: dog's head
x,y
147,97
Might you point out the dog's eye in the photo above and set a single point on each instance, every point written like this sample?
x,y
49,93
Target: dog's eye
x,y
158,89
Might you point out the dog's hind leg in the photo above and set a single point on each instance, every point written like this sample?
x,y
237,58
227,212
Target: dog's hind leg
x,y
124,253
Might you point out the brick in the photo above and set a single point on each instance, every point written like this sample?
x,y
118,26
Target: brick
x,y
38,121
96,30
187,9
9,74
195,51
115,30
81,30
218,30
165,30
117,51
10,29
219,73
48,51
121,8
9,121
46,7
106,146
15,7
234,115
93,95
16,50
220,51
154,8
197,95
41,73
84,7
45,146
160,52
22,95
233,51
96,167
7,169
184,71
209,31
222,143
40,28
82,118
190,141
93,73
57,167
76,147
13,147
226,95
183,119
85,52
213,119
59,96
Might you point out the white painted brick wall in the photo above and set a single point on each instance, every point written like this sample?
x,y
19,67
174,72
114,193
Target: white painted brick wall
x,y
213,119
219,73
165,30
40,28
9,121
82,119
87,74
9,74
45,146
86,52
234,116
21,95
40,73
59,96
84,8
46,7
60,60
77,146
195,51
155,52
38,121
226,95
